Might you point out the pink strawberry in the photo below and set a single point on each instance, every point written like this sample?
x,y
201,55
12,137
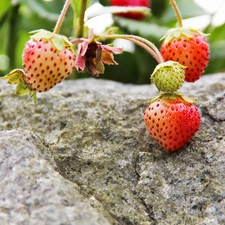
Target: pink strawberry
x,y
45,62
172,120
190,48
48,59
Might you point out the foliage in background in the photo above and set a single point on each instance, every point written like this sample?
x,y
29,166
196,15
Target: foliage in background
x,y
19,17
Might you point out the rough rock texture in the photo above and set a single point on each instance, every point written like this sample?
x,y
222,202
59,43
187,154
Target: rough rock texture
x,y
32,192
92,132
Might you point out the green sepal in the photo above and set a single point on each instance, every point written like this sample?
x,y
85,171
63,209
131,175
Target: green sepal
x,y
40,33
155,98
186,98
17,76
172,96
178,32
59,41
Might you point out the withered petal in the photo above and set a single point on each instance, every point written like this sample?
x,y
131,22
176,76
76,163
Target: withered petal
x,y
108,58
94,69
112,50
80,63
82,48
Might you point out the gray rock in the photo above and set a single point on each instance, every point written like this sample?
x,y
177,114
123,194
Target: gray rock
x,y
32,192
92,132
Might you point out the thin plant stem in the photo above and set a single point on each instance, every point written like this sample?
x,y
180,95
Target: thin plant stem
x,y
177,11
80,31
147,48
77,40
61,17
152,49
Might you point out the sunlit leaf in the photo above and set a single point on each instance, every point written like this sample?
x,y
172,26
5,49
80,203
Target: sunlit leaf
x,y
188,9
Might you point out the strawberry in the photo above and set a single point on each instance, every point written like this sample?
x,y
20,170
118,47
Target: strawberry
x,y
168,76
172,120
189,47
131,15
47,59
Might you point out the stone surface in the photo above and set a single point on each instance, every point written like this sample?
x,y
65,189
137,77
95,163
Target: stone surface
x,y
92,132
32,192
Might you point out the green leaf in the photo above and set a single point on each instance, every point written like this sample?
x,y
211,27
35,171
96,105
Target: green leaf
x,y
144,29
217,57
217,33
188,9
4,6
158,7
217,50
49,10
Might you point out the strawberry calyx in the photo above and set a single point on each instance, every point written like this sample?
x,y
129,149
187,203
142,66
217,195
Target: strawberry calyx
x,y
175,33
58,41
17,76
172,96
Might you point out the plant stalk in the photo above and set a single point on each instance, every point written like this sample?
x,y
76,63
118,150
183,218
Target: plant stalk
x,y
177,11
61,17
142,42
80,30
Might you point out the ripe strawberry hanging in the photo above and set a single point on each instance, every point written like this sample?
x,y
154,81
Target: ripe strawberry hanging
x,y
48,59
189,47
131,15
172,120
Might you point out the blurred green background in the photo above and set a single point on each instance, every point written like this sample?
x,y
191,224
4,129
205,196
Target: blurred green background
x,y
18,17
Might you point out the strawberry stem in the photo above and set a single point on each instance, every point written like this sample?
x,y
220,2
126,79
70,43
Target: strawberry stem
x,y
147,48
61,17
177,11
80,28
142,42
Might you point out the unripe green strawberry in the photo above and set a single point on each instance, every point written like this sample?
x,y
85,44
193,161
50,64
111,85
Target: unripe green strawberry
x,y
47,59
189,47
172,120
168,76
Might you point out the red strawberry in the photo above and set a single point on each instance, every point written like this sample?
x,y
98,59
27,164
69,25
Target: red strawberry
x,y
131,15
48,58
172,120
190,48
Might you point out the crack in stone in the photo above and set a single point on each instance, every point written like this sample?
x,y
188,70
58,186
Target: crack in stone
x,y
149,210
